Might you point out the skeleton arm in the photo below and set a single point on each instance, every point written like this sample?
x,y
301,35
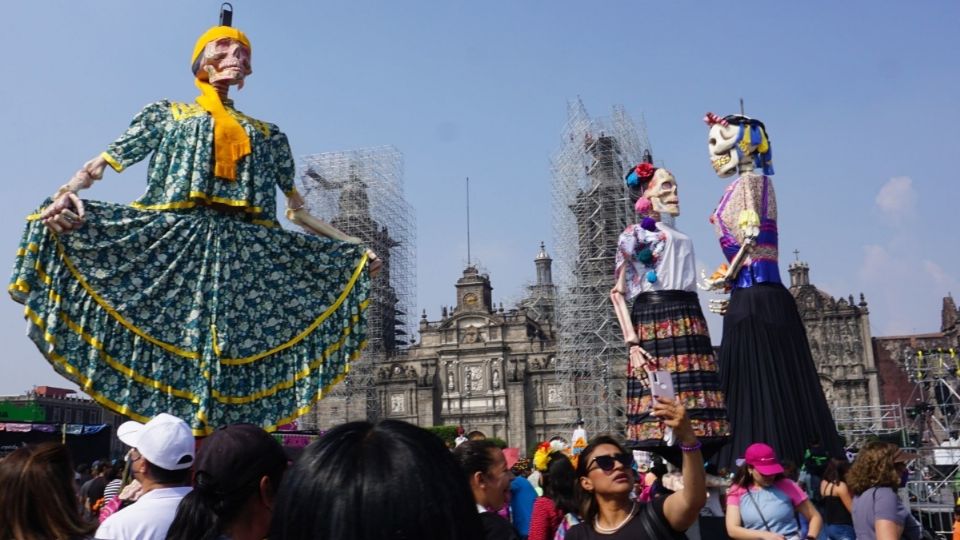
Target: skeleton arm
x,y
66,213
639,358
297,214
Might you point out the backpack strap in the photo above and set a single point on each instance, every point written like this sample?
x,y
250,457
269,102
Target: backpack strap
x,y
653,527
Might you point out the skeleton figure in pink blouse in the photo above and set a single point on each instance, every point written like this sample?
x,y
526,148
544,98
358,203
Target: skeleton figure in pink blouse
x,y
767,374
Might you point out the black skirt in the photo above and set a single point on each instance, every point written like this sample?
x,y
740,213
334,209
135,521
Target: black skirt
x,y
771,383
672,329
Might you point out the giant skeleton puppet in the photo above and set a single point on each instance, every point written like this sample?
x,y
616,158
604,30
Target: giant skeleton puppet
x,y
771,384
192,300
665,328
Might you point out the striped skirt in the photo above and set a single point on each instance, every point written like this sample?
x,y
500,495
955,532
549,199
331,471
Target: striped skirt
x,y
672,329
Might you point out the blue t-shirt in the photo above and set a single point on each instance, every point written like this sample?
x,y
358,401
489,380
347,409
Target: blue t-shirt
x,y
882,503
522,496
775,505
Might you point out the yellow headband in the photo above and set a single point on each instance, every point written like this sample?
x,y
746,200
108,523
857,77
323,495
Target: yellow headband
x,y
230,141
219,32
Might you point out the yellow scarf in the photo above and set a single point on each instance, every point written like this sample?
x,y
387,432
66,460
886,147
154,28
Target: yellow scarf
x,y
230,141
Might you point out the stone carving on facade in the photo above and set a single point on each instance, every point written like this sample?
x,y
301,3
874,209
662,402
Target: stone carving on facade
x,y
397,403
473,378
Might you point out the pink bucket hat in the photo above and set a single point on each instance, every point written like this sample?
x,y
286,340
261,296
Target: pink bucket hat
x,y
762,458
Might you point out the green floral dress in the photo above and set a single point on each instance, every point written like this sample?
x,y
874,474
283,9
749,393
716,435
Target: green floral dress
x,y
192,300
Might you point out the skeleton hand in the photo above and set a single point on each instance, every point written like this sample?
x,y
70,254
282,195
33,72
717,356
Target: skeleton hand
x,y
641,362
295,201
375,263
719,306
66,212
712,283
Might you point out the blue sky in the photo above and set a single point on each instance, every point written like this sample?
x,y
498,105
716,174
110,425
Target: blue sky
x,y
860,98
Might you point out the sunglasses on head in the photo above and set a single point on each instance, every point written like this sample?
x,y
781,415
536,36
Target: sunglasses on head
x,y
607,463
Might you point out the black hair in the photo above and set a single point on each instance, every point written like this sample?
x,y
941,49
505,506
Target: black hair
x,y
836,471
211,507
559,482
790,469
363,481
588,503
475,456
178,477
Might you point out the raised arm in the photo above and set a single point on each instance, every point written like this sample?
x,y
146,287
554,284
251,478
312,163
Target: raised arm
x,y
66,212
142,137
683,507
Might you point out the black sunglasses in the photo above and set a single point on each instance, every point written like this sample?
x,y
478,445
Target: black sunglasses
x,y
607,463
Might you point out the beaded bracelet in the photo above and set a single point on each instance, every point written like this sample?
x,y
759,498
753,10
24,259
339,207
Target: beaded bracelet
x,y
692,448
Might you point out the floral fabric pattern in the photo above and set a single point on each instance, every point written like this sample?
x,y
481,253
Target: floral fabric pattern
x,y
187,304
180,137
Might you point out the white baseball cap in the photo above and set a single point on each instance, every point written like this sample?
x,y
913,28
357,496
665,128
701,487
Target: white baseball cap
x,y
166,441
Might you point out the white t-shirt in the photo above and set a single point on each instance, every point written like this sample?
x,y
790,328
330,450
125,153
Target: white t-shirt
x,y
147,519
676,266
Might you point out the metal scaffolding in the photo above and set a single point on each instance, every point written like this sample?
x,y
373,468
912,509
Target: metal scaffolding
x,y
858,424
932,417
361,193
591,207
933,410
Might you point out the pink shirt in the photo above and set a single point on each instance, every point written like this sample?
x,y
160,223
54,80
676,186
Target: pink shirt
x,y
787,486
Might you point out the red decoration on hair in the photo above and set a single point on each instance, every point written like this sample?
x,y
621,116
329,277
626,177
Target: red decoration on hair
x,y
712,119
645,171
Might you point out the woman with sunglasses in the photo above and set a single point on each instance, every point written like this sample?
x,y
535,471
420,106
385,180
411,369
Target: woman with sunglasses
x,y
606,480
763,503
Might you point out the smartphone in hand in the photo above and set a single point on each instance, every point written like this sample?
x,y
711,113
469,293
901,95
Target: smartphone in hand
x,y
661,385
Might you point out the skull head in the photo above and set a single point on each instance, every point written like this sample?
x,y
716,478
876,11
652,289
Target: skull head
x,y
662,192
723,148
225,61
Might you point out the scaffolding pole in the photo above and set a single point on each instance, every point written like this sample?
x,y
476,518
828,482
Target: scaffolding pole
x,y
361,193
591,207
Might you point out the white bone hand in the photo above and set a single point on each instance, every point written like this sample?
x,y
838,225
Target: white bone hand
x,y
85,177
710,284
641,364
719,306
66,213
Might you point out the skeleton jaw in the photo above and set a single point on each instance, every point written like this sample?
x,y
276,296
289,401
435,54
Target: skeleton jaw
x,y
725,165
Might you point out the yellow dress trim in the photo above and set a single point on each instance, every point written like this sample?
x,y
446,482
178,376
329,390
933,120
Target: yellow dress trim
x,y
114,313
129,372
319,395
199,196
265,222
114,164
87,384
31,247
193,354
313,326
182,111
289,383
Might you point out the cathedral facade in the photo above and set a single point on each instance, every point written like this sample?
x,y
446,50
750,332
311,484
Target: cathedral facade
x,y
838,330
478,366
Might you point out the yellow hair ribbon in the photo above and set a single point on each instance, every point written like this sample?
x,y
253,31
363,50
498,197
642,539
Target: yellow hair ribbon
x,y
230,141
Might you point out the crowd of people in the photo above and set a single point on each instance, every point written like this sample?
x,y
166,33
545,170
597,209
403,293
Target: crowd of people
x,y
391,479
